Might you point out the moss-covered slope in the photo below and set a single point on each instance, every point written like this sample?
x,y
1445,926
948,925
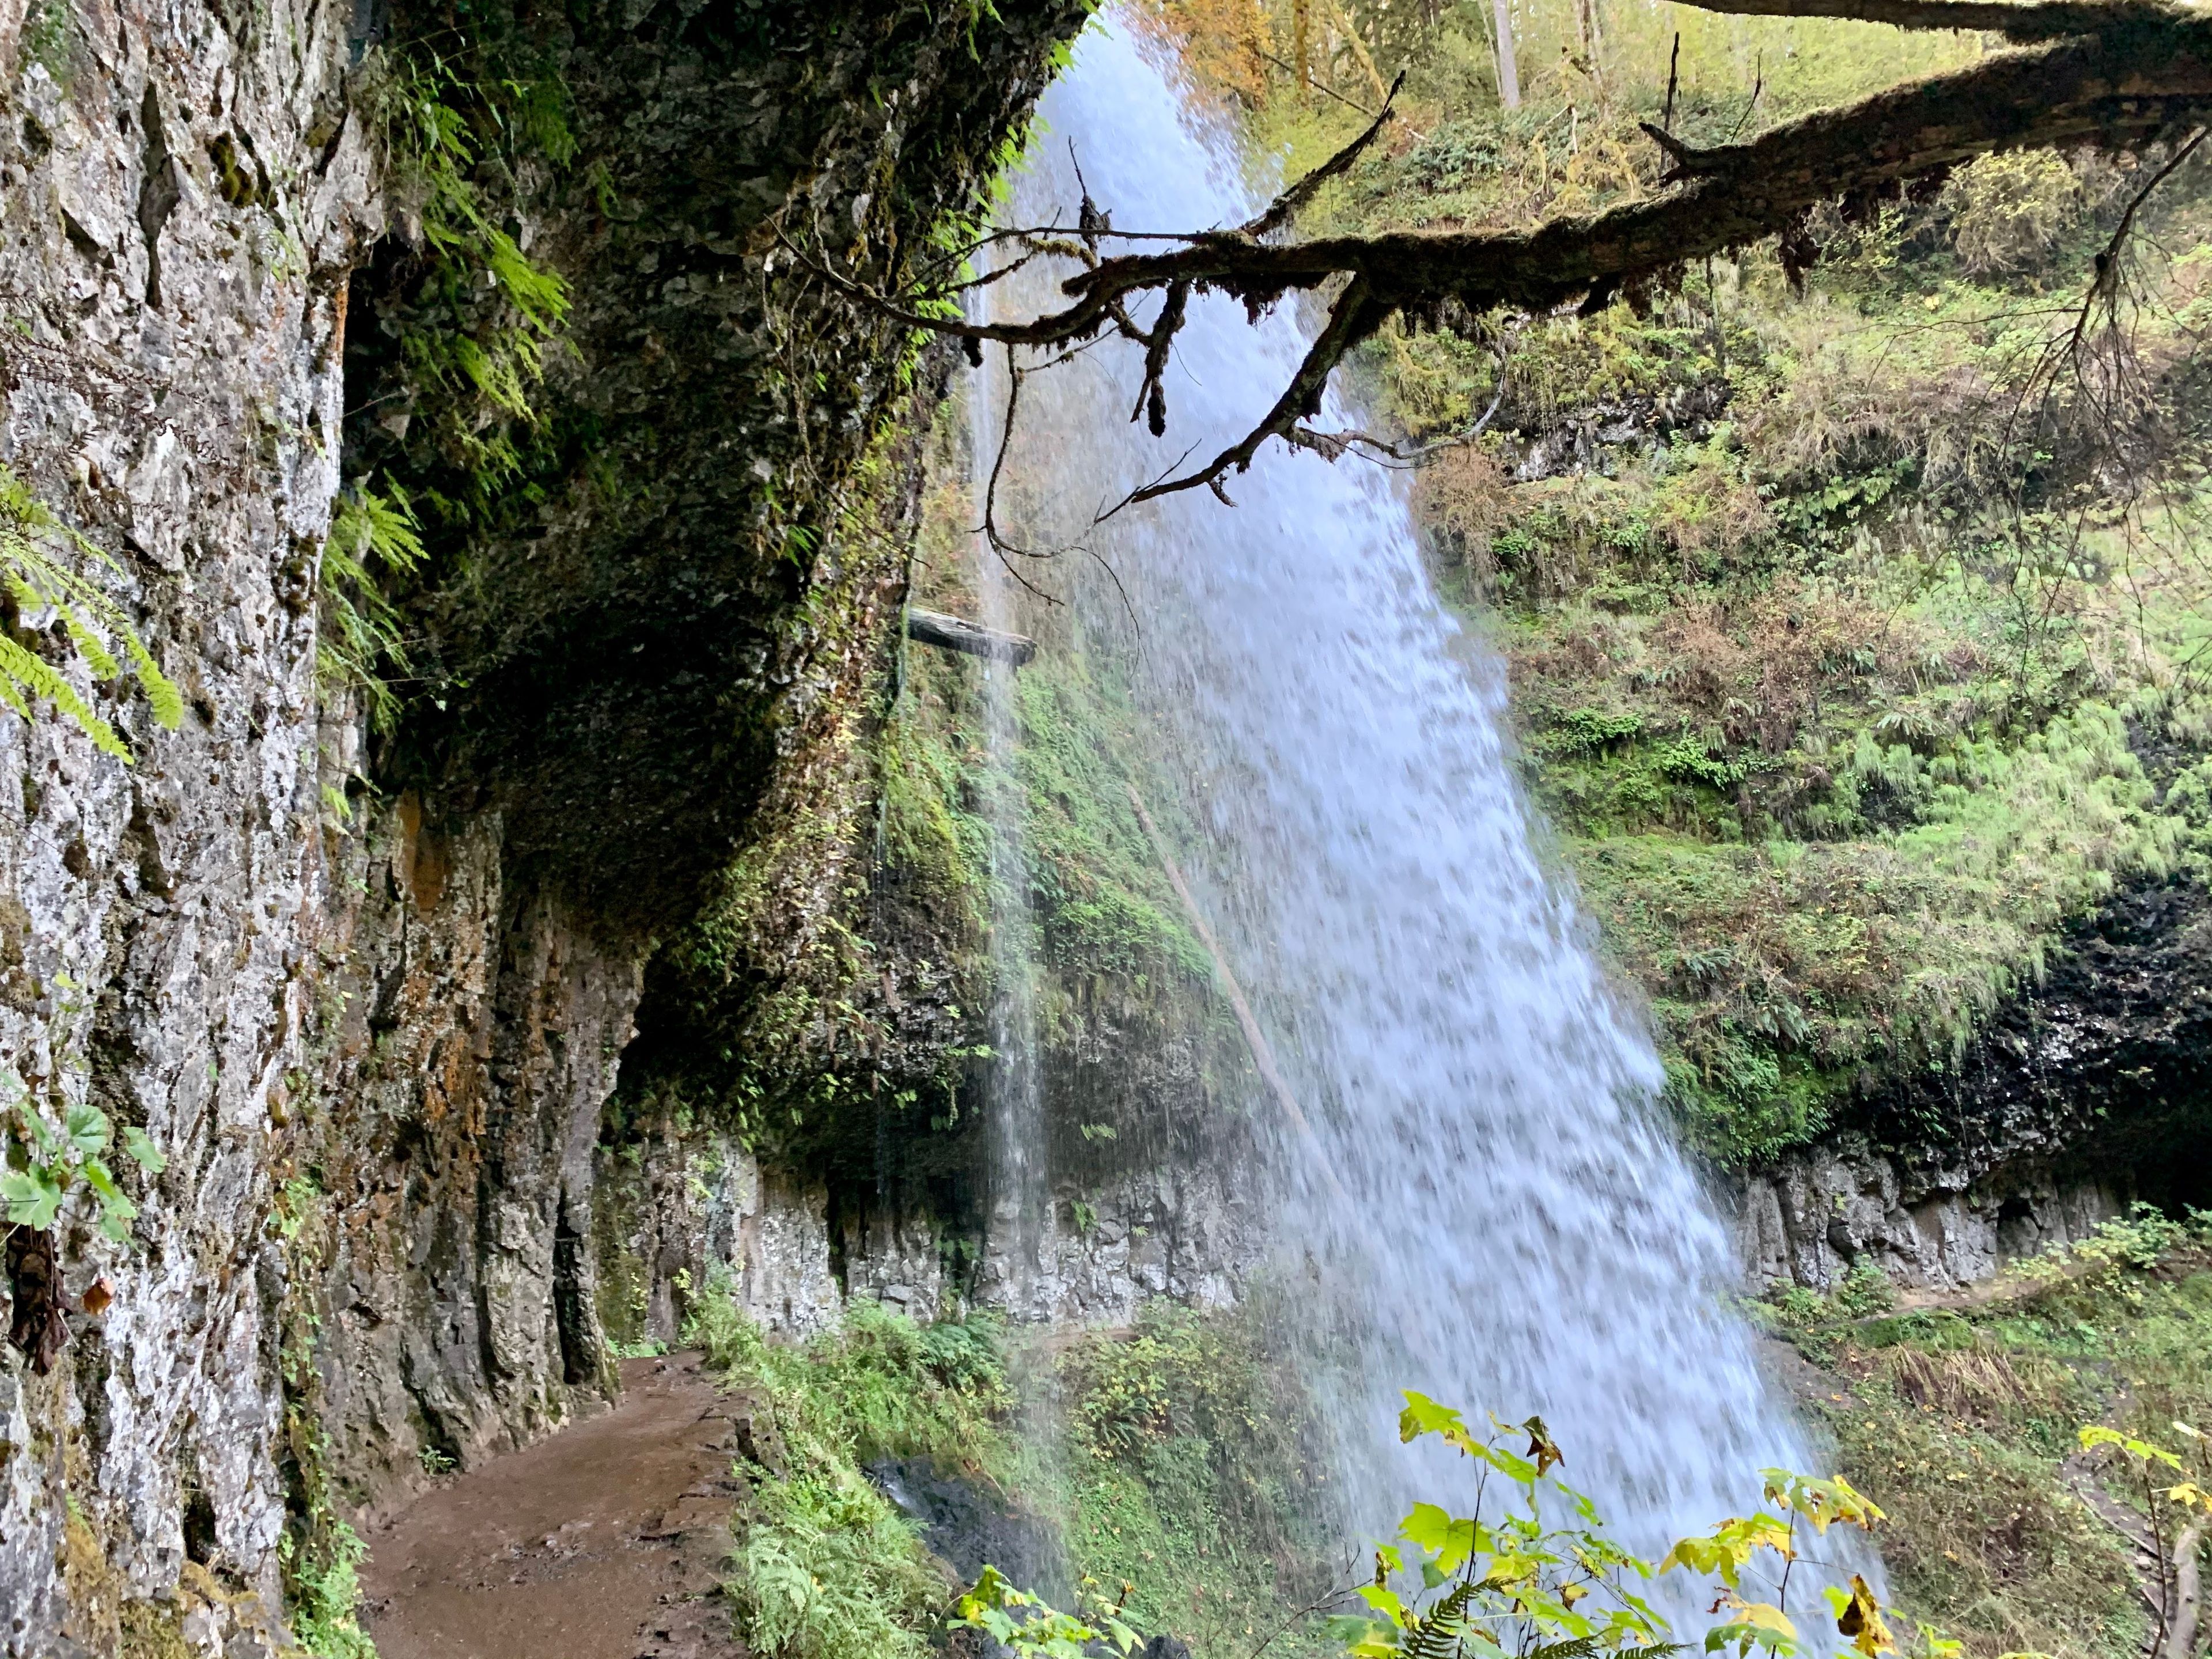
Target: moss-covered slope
x,y
1851,590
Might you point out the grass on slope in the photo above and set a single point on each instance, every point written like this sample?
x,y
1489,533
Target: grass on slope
x,y
1964,1421
1841,627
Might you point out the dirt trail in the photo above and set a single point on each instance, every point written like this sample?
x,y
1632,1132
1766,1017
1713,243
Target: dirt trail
x,y
598,1543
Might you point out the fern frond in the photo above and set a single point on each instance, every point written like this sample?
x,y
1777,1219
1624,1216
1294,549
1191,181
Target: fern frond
x,y
1436,1633
361,633
89,646
1579,1647
30,677
32,572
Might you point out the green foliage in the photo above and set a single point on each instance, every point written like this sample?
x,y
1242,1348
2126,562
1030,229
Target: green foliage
x,y
1102,904
318,1553
472,367
39,583
2009,213
470,338
1505,1579
1195,1475
1967,1418
326,1599
929,837
1780,970
375,542
1865,1291
1031,1629
1833,657
827,1569
2136,1241
62,1143
56,1160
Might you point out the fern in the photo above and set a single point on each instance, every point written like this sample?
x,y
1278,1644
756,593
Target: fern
x,y
473,367
1436,1634
33,545
362,640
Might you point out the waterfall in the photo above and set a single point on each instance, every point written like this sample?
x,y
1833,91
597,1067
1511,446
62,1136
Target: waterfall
x,y
1021,1194
1484,1201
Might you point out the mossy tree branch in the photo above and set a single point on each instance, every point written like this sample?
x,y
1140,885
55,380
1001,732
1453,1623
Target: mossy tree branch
x,y
2122,74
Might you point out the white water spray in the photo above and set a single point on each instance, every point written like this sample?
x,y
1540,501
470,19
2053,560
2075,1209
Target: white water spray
x,y
1483,1201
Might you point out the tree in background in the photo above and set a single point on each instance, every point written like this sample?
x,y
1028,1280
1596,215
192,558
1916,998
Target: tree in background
x,y
2130,75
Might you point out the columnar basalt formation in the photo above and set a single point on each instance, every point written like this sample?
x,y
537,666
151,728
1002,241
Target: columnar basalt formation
x,y
2083,1094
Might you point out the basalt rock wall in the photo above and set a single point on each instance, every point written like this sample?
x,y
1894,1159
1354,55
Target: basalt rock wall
x,y
2089,1090
173,391
367,995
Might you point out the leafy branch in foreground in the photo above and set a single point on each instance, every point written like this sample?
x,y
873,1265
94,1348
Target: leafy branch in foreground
x,y
2175,1496
33,543
1025,1625
2122,74
1504,1580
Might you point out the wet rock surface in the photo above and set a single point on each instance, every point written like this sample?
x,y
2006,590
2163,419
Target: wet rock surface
x,y
372,1027
2085,1092
970,1525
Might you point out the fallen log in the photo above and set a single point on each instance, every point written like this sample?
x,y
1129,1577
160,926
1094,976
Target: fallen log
x,y
959,634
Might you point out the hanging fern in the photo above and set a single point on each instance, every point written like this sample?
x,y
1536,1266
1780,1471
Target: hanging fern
x,y
472,338
36,553
361,644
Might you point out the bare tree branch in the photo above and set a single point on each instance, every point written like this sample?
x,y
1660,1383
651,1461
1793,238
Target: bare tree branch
x,y
1286,206
1352,319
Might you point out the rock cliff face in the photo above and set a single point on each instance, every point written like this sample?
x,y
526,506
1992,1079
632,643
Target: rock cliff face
x,y
674,1212
172,389
369,999
2087,1091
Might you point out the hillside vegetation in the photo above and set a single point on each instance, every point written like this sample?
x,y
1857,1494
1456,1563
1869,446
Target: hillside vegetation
x,y
1964,1419
1851,590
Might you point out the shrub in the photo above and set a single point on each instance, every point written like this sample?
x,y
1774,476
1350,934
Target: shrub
x,y
831,1571
827,1569
2010,212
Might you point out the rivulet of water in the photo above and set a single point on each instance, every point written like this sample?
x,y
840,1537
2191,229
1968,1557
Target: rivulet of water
x,y
1485,1207
1021,1193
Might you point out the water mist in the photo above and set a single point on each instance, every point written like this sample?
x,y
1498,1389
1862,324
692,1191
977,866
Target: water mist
x,y
1485,1208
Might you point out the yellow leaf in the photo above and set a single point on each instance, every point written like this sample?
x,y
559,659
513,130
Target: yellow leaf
x,y
1766,1616
1861,1620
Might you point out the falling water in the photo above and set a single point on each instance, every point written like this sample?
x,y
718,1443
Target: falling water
x,y
1021,1206
1483,1192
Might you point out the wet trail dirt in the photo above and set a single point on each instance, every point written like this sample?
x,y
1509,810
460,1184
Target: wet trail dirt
x,y
603,1543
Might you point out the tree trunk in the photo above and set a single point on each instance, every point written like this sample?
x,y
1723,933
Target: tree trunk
x,y
2181,1622
1590,38
1509,72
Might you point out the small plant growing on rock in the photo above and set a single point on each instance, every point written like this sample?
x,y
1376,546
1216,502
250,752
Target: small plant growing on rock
x,y
65,1144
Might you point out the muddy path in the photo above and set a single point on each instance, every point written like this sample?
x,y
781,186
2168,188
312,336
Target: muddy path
x,y
604,1542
